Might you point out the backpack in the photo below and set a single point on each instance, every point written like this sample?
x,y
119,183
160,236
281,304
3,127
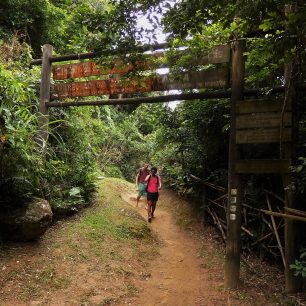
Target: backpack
x,y
149,181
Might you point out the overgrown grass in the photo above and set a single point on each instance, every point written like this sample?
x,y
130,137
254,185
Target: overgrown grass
x,y
114,219
109,241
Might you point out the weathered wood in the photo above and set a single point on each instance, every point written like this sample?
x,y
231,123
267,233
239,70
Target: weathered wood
x,y
261,106
156,99
295,211
90,55
292,233
206,183
219,54
87,69
285,216
262,135
44,96
199,79
260,120
276,231
233,243
275,195
263,166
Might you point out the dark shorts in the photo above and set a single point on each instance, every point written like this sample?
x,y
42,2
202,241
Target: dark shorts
x,y
152,196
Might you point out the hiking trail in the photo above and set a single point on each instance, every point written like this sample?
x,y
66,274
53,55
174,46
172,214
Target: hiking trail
x,y
109,255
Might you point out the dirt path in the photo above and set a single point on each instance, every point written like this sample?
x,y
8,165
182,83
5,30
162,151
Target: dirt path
x,y
107,255
177,275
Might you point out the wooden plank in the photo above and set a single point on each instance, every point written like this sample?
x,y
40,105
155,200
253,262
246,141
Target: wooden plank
x,y
259,120
219,54
260,106
199,79
262,135
259,166
86,69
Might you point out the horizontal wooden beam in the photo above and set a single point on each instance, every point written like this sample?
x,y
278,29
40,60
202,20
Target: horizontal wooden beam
x,y
260,106
258,166
91,55
139,100
261,120
264,135
216,78
219,54
220,94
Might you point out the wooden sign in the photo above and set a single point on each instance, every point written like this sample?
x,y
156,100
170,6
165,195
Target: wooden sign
x,y
263,166
260,120
197,79
219,54
86,69
262,135
260,106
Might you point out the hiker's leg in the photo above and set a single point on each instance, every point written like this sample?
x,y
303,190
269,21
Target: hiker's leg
x,y
153,206
149,210
137,199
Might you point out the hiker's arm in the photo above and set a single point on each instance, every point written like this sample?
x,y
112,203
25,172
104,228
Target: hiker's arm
x,y
147,177
160,183
137,178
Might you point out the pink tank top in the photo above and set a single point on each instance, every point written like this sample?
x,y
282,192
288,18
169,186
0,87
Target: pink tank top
x,y
153,186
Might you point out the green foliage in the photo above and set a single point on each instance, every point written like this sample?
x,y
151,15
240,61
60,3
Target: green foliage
x,y
192,140
299,182
299,266
20,161
24,170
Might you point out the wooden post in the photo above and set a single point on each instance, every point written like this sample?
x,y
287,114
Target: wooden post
x,y
292,283
44,96
233,244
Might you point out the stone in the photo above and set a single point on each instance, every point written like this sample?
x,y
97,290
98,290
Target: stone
x,y
26,223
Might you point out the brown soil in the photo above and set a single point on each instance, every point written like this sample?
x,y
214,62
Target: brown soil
x,y
182,265
177,276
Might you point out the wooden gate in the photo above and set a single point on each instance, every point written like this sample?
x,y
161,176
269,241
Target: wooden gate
x,y
252,121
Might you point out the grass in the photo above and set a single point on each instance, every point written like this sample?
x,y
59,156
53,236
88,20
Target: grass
x,y
110,241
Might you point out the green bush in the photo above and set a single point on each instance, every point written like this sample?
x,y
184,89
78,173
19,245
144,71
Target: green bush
x,y
299,266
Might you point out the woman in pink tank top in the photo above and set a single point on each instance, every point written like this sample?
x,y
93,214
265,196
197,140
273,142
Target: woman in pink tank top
x,y
154,184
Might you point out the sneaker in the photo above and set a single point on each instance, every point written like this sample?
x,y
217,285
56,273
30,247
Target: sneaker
x,y
149,220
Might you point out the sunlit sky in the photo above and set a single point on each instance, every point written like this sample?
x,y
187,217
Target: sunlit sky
x,y
160,38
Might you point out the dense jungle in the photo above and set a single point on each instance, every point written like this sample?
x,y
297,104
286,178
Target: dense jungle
x,y
94,150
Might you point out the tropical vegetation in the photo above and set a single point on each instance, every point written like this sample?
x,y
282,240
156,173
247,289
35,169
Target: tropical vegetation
x,y
113,141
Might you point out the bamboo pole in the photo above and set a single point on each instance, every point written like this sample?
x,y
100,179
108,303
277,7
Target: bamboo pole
x,y
207,183
285,216
296,211
276,232
217,222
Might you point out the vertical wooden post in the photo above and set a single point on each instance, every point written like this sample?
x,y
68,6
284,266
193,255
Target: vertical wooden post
x,y
233,244
292,283
44,96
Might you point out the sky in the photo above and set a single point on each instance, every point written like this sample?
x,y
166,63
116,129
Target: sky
x,y
161,38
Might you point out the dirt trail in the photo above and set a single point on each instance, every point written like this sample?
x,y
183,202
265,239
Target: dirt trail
x,y
102,257
177,275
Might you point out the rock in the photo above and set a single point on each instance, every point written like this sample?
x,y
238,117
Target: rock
x,y
26,223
